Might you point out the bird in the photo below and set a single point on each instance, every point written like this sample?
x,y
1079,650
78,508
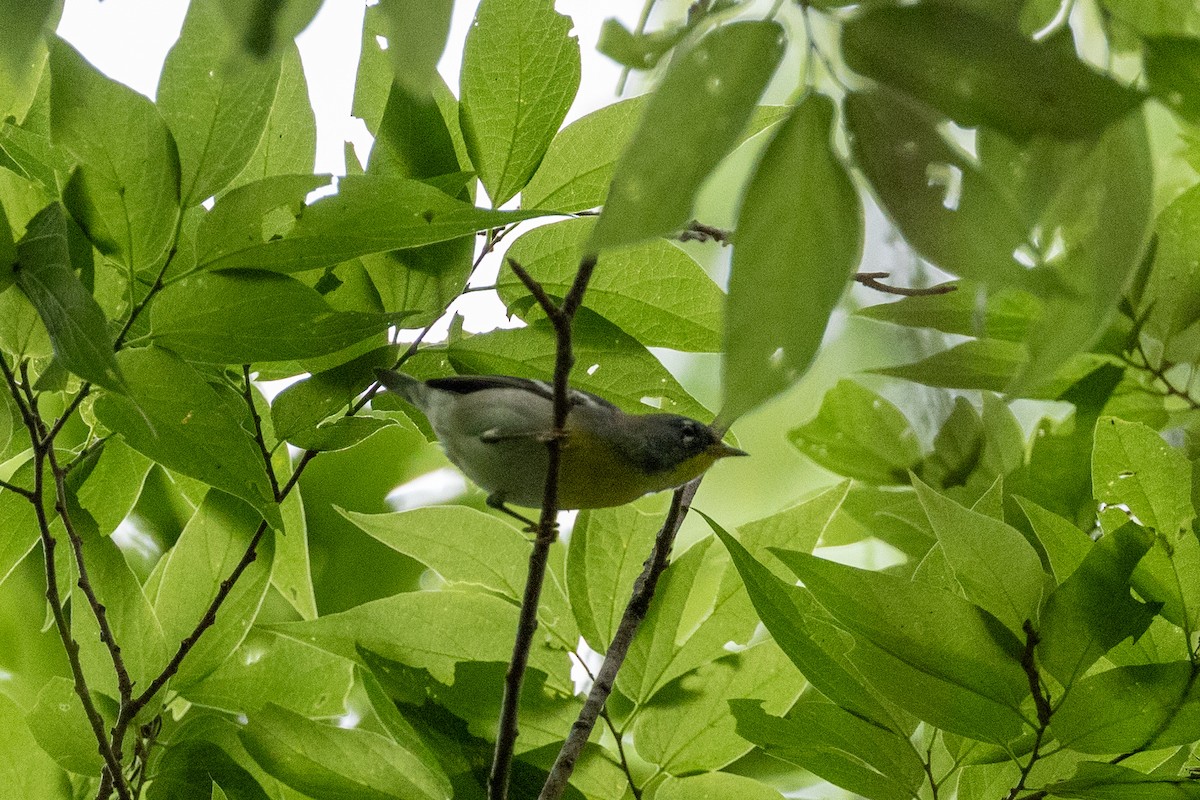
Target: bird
x,y
495,429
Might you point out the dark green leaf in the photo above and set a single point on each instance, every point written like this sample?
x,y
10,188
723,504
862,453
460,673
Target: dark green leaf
x,y
654,291
173,416
520,72
1173,71
24,22
338,434
215,103
691,121
113,485
252,214
1094,780
799,238
1092,611
417,31
8,252
126,191
860,435
77,327
193,767
245,316
980,71
1065,545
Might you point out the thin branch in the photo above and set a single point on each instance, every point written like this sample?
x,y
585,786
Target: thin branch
x,y
635,611
1159,374
248,394
697,231
1041,702
871,281
633,787
12,487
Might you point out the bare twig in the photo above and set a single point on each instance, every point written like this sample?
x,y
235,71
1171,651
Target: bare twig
x,y
635,611
248,394
1041,702
697,231
12,487
633,787
871,281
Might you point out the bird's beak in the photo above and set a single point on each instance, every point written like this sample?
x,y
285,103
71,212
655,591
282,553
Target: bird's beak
x,y
721,450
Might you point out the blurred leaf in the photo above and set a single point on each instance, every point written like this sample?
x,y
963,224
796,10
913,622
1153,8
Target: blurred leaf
x,y
988,364
520,72
714,786
192,767
25,769
289,143
836,745
994,564
799,238
1130,708
859,434
264,27
417,31
654,291
1000,78
61,728
1094,780
613,364
173,416
957,448
24,25
1172,71
637,50
1133,467
691,121
1172,295
368,215
971,310
244,316
125,193
77,327
212,544
8,252
215,104
1092,610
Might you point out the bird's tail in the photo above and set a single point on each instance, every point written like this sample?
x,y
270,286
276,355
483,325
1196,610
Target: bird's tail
x,y
411,389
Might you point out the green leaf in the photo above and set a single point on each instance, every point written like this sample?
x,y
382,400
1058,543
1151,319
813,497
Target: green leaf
x,y
339,434
1130,708
265,28
417,31
126,191
859,434
957,448
714,786
690,726
1094,780
173,416
18,523
1173,288
995,565
836,745
1133,467
799,238
291,574
112,487
289,143
520,71
58,723
211,545
305,403
654,291
369,214
971,310
215,104
329,763
269,668
252,213
244,316
25,23
613,364
987,364
26,770
637,50
192,767
998,77
691,121
1172,68
1092,611
8,252
933,632
605,555
1065,545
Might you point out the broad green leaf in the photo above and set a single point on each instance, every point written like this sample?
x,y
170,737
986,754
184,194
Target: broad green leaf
x,y
1172,68
1172,294
173,416
190,768
1130,708
24,25
612,364
691,121
18,523
1065,545
395,723
1092,610
1095,780
8,252
520,71
605,555
291,573
1133,467
215,103
305,403
60,726
714,786
957,448
339,434
211,545
329,763
979,71
638,50
263,29
252,213
417,31
368,215
988,364
431,630
836,745
995,565
289,143
654,291
931,631
690,726
24,769
243,316
971,310
125,193
799,238
269,668
32,155
859,434
1165,575
75,322
113,485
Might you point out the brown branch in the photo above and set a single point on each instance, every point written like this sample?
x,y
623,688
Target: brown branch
x,y
1159,374
561,317
633,787
248,394
12,487
697,231
1041,702
635,612
871,281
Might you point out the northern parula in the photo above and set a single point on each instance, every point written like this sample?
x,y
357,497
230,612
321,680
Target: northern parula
x,y
495,429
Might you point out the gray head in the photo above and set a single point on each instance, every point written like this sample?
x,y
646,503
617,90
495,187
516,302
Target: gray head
x,y
669,440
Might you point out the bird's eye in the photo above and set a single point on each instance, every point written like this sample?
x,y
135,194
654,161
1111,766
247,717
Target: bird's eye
x,y
688,433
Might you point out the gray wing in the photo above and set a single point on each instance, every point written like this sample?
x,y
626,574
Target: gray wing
x,y
469,384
